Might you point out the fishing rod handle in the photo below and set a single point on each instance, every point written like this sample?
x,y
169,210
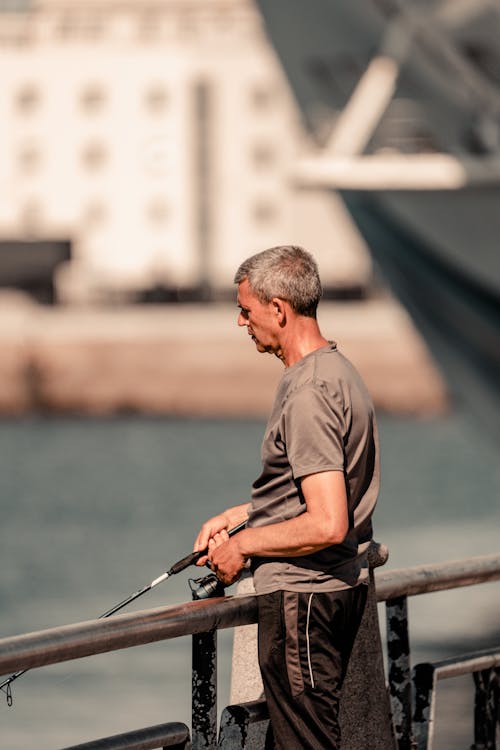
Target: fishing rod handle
x,y
193,558
185,562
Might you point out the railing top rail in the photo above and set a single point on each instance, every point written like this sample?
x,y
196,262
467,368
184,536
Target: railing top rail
x,y
133,629
99,636
173,734
424,579
467,663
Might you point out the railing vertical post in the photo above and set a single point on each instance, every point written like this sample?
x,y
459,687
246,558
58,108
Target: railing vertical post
x,y
204,691
486,709
424,683
398,653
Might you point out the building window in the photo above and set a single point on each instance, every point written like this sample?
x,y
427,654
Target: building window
x,y
264,211
95,214
224,19
262,97
29,159
156,99
93,98
94,156
31,217
187,23
87,24
150,25
263,155
93,25
67,25
157,156
27,99
157,210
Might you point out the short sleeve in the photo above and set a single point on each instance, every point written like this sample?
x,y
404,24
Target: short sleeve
x,y
313,429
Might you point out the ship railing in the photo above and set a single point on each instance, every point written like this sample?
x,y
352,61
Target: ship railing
x,y
412,717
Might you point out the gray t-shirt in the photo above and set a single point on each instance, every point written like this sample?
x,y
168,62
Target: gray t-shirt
x,y
322,420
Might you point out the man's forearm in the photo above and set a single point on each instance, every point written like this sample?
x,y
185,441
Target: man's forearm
x,y
299,536
325,522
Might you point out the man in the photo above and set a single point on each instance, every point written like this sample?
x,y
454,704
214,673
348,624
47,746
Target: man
x,y
309,520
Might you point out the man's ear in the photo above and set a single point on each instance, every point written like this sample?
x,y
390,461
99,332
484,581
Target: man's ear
x,y
279,307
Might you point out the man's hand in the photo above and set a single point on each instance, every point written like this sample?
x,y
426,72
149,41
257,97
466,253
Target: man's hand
x,y
225,557
225,521
207,532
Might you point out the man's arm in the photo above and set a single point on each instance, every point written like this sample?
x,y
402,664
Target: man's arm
x,y
325,522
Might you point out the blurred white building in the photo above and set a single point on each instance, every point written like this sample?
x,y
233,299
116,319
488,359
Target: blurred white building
x,y
156,138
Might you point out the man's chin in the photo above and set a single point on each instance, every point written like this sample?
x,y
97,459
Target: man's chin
x,y
263,349
260,347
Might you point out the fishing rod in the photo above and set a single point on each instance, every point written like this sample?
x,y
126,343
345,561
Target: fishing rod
x,y
204,588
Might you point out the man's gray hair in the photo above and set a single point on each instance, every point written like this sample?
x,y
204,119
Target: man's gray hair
x,y
286,271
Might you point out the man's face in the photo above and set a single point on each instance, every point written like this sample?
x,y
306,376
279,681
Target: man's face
x,y
259,318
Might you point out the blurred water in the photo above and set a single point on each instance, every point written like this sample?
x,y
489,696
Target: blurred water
x,y
92,510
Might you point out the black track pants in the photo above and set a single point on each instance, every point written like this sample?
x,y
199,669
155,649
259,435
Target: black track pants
x,y
305,641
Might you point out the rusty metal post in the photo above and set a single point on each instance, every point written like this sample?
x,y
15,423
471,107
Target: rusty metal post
x,y
424,680
243,726
486,709
204,691
398,655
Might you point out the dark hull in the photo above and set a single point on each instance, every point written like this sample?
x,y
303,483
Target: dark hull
x,y
438,250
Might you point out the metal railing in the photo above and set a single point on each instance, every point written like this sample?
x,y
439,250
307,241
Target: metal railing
x,y
412,692
484,665
202,619
173,735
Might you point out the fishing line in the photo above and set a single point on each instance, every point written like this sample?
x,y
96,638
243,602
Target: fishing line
x,y
177,567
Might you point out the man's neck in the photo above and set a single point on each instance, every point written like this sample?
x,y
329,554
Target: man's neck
x,y
300,340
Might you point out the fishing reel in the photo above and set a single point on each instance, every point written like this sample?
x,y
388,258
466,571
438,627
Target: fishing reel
x,y
204,588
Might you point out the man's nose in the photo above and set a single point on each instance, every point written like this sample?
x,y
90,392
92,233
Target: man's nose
x,y
242,320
